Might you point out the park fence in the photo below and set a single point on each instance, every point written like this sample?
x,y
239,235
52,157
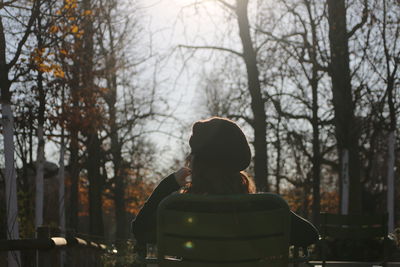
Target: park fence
x,y
51,250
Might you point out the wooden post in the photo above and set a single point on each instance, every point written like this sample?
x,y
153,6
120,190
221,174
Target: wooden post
x,y
47,258
43,257
72,254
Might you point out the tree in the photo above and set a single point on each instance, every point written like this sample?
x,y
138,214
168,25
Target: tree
x,y
257,103
383,57
347,131
93,114
302,66
7,78
249,56
125,107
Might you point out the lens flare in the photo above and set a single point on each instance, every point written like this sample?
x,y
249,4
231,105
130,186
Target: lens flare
x,y
188,245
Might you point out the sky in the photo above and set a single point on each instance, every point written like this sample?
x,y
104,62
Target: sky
x,y
172,23
166,25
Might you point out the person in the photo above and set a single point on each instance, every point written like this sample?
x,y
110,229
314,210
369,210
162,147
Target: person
x,y
219,154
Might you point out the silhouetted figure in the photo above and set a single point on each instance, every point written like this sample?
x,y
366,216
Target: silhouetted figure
x,y
219,154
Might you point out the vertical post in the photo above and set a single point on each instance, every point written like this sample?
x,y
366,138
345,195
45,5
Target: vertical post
x,y
61,190
39,184
73,253
345,182
390,181
43,257
13,257
47,258
295,256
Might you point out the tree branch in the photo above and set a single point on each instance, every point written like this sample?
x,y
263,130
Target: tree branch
x,y
212,48
34,14
229,6
362,22
4,4
245,118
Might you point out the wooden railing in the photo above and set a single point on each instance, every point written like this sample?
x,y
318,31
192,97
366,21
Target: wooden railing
x,y
55,251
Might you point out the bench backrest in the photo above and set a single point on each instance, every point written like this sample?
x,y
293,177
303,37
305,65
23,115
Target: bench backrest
x,y
353,226
233,230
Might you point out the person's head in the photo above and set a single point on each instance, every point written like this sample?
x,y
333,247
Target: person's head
x,y
219,154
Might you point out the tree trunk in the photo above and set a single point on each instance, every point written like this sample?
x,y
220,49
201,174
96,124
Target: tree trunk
x,y
93,143
316,158
95,186
40,158
119,190
278,155
116,147
345,124
257,101
74,165
390,86
8,135
391,150
120,213
74,174
61,176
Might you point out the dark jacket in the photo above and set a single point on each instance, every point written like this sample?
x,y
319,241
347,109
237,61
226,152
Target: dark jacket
x,y
144,226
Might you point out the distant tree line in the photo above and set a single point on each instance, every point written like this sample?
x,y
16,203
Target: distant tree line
x,y
69,77
317,82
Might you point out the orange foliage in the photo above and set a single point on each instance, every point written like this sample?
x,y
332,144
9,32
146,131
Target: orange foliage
x,y
108,202
43,61
136,194
296,200
83,196
330,201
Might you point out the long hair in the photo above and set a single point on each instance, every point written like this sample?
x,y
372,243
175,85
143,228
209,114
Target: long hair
x,y
212,179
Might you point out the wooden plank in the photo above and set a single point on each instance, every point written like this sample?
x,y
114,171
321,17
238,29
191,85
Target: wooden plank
x,y
221,203
343,232
353,219
224,250
351,264
223,224
47,243
222,264
23,244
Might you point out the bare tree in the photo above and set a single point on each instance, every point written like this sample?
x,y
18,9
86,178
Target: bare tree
x,y
347,131
126,109
7,78
384,59
249,56
305,60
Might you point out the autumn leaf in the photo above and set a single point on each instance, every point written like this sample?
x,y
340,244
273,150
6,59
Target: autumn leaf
x,y
74,29
54,29
59,73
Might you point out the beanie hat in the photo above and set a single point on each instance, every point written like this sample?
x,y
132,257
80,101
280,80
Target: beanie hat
x,y
220,141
